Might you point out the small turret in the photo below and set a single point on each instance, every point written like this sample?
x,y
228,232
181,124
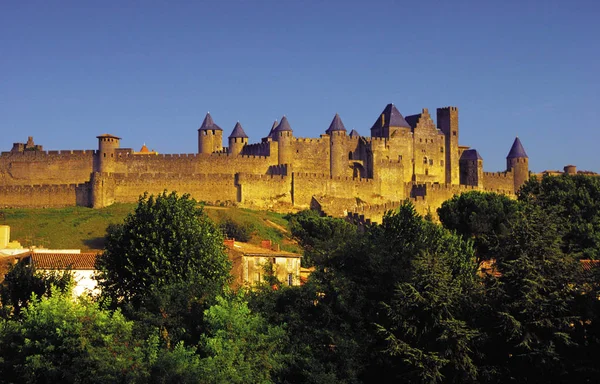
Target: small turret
x,y
337,133
210,136
237,140
471,168
107,144
284,136
517,161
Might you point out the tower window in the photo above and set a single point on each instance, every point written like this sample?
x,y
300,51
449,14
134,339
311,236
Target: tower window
x,y
453,133
442,149
425,160
430,161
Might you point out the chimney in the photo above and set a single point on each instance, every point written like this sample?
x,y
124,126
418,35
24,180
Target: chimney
x,y
266,244
229,243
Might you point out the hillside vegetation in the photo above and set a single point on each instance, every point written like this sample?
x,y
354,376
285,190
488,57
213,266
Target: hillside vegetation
x,y
85,228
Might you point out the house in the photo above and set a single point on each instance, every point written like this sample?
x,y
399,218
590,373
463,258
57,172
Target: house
x,y
252,264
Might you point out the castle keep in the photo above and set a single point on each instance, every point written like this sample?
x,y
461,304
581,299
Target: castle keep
x,y
405,157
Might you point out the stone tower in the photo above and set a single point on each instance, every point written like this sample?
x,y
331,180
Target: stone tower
x,y
517,161
447,122
284,136
337,158
210,136
237,140
107,144
471,168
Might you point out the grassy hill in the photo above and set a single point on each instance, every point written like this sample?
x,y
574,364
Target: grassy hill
x,y
85,228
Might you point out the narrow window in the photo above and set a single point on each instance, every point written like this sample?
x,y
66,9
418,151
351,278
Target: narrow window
x,y
257,277
290,279
442,149
425,160
453,133
430,161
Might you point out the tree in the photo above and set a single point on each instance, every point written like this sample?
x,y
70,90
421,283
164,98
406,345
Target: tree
x,y
320,237
573,203
481,216
22,280
165,241
62,340
528,315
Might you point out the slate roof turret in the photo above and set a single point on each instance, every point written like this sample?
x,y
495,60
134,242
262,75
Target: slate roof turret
x,y
238,131
471,154
354,133
284,125
209,124
336,125
391,118
517,150
273,128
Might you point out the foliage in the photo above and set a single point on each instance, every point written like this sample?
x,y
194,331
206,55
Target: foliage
x,y
427,331
233,229
573,203
63,340
528,314
320,237
22,280
241,347
166,240
483,217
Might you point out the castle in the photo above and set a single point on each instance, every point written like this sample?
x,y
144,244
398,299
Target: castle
x,y
339,172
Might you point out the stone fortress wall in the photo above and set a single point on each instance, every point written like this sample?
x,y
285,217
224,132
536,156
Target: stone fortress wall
x,y
412,157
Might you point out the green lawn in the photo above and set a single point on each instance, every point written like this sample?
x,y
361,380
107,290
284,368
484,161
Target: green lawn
x,y
84,228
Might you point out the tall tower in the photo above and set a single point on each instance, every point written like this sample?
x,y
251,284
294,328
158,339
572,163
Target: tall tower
x,y
210,136
237,140
284,136
447,122
517,161
107,144
337,152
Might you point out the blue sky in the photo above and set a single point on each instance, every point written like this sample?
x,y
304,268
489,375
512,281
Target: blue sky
x,y
148,71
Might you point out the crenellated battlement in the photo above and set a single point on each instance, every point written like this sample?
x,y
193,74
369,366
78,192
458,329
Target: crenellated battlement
x,y
374,169
326,176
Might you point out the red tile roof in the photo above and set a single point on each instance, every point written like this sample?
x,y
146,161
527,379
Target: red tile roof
x,y
79,261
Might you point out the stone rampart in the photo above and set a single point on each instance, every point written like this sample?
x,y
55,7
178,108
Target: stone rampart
x,y
212,188
264,191
46,167
305,185
500,182
44,196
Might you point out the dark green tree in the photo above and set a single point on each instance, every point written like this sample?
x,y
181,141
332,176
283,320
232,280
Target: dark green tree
x,y
164,265
481,216
528,314
22,280
320,237
573,203
166,240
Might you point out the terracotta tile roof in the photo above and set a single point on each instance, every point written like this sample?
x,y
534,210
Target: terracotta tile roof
x,y
78,261
589,265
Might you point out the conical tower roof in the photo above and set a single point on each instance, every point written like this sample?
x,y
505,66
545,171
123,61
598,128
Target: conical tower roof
x,y
517,150
284,125
336,125
238,131
354,133
273,128
209,124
